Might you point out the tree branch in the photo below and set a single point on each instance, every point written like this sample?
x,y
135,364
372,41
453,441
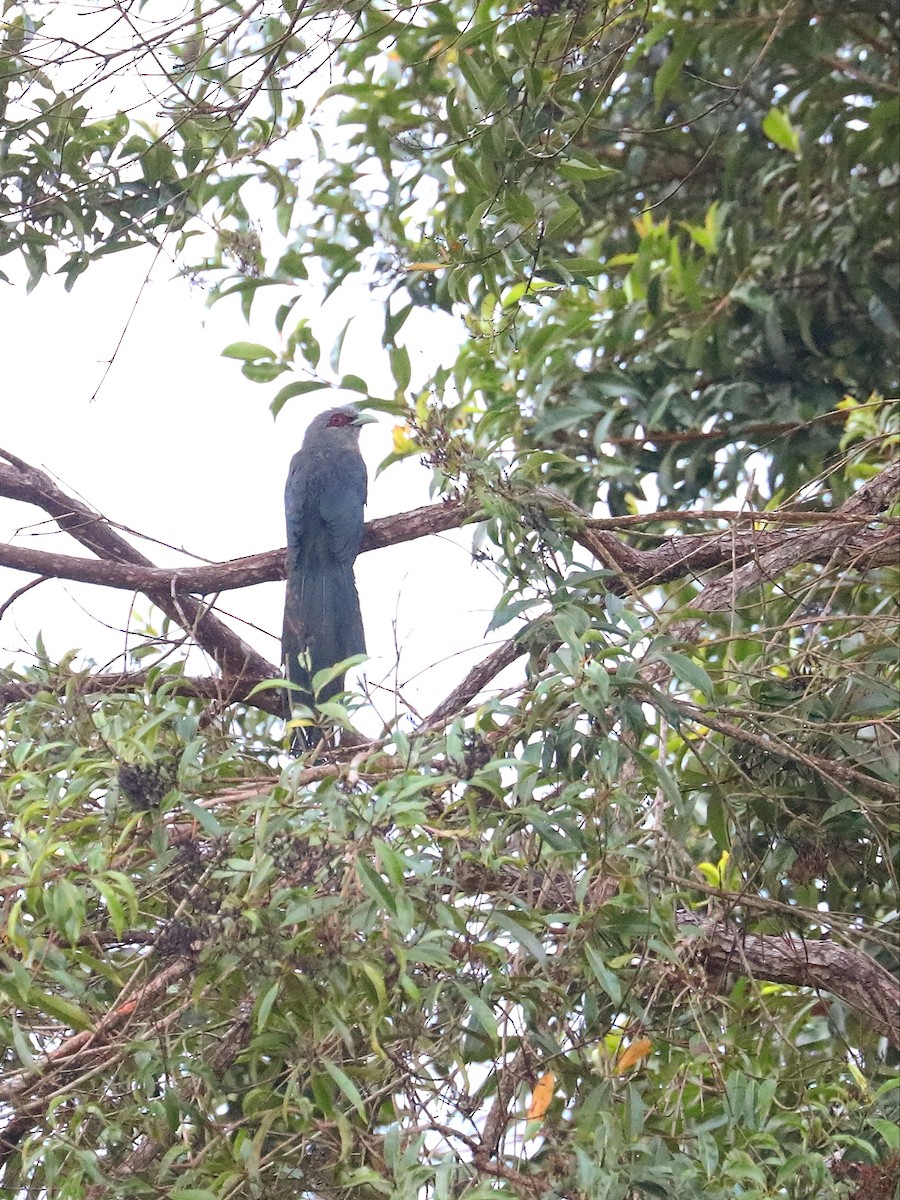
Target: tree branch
x,y
480,675
122,566
28,1092
853,976
842,545
753,555
675,558
228,651
828,769
856,978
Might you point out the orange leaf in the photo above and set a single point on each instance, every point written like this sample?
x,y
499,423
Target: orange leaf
x,y
638,1049
541,1096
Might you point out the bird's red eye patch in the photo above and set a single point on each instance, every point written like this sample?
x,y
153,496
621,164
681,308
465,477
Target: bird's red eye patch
x,y
337,419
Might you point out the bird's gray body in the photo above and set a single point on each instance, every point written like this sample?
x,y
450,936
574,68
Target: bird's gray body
x,y
323,502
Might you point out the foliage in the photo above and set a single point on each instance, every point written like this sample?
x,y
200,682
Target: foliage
x,y
416,943
652,219
669,233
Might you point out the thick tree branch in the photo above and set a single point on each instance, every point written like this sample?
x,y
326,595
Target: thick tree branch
x,y
841,545
674,559
856,978
845,538
124,567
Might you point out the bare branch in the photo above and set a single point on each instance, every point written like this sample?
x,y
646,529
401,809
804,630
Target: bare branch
x,y
675,558
753,555
767,552
854,977
130,571
227,650
842,545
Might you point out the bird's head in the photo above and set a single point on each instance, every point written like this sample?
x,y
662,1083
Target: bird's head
x,y
340,425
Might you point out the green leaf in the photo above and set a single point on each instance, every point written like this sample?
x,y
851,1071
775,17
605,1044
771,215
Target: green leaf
x,y
688,671
683,44
376,978
263,372
391,863
400,368
249,351
22,1047
265,1005
581,166
293,264
602,973
327,675
509,611
778,129
56,1006
485,1020
271,685
300,388
375,886
203,817
889,1131
347,1086
113,904
715,822
522,935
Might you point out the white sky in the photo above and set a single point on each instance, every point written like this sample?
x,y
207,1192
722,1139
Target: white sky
x,y
180,446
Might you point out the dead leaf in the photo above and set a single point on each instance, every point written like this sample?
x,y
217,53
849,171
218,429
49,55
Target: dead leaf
x,y
541,1096
638,1049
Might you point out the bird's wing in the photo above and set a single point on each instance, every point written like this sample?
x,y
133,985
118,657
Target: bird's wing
x,y
294,501
341,498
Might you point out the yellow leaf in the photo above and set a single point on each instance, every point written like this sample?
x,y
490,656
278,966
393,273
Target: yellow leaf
x,y
638,1049
403,443
427,266
715,873
541,1096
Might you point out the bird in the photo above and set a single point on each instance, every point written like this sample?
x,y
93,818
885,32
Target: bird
x,y
324,499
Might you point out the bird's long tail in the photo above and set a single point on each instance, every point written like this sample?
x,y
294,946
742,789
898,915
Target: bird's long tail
x,y
322,623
